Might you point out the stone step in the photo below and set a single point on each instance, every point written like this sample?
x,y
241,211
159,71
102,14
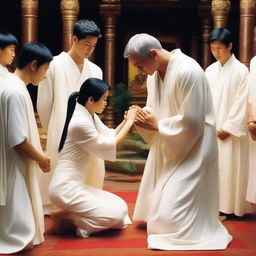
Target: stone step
x,y
127,161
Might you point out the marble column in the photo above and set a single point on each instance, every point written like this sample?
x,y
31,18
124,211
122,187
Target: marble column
x,y
69,12
246,35
29,20
110,11
220,11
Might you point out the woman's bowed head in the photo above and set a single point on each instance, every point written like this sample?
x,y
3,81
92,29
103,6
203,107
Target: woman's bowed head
x,y
93,95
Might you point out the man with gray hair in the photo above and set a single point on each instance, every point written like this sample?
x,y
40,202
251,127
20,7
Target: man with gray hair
x,y
178,196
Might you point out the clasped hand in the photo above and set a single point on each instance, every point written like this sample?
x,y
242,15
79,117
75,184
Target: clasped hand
x,y
222,134
252,130
143,118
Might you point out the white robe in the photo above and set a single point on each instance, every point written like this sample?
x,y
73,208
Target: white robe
x,y
3,71
178,195
21,213
63,78
251,190
229,88
91,209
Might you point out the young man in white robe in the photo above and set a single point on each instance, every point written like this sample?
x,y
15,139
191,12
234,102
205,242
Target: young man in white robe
x,y
251,189
21,213
178,195
8,44
228,79
66,74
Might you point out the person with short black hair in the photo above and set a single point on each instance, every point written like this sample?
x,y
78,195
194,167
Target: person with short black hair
x,y
21,155
8,44
66,73
81,206
228,82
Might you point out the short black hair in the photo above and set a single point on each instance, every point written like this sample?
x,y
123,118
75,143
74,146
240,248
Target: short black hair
x,y
84,28
7,39
221,34
34,51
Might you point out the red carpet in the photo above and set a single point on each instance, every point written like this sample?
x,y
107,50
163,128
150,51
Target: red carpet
x,y
132,241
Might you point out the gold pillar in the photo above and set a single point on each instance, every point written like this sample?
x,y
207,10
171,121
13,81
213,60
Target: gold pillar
x,y
220,11
110,11
246,35
29,20
69,12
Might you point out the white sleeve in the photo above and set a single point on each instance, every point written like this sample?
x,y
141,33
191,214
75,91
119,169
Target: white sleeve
x,y
17,121
87,137
180,132
45,96
237,117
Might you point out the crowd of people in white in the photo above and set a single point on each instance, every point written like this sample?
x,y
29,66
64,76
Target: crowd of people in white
x,y
200,125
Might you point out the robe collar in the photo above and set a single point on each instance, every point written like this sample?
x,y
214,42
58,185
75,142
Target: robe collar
x,y
228,63
73,63
85,112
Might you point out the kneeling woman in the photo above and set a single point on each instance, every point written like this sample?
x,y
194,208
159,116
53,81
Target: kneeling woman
x,y
84,136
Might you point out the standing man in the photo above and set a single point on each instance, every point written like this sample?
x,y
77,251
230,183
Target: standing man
x,y
228,82
21,212
66,74
178,195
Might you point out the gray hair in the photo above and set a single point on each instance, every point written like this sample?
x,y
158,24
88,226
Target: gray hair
x,y
141,44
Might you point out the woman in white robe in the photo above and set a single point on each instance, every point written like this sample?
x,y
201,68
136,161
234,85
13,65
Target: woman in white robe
x,y
251,189
178,195
89,209
8,44
21,212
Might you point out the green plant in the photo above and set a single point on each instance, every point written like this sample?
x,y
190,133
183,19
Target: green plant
x,y
122,100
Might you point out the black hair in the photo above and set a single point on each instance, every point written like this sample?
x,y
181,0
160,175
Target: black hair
x,y
34,51
221,34
92,87
7,39
84,28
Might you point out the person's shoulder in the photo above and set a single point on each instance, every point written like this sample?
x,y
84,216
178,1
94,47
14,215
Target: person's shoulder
x,y
211,67
94,66
241,67
11,87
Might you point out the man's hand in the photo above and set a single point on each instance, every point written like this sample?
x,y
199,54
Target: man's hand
x,y
146,120
45,164
222,134
252,129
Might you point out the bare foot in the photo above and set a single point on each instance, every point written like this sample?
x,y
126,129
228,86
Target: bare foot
x,y
222,218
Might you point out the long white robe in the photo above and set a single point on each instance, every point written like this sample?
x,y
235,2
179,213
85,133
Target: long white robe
x,y
251,189
21,213
63,78
229,88
91,209
178,195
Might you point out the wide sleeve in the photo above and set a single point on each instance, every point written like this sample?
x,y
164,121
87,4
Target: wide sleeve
x,y
181,131
236,120
17,121
86,136
45,98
